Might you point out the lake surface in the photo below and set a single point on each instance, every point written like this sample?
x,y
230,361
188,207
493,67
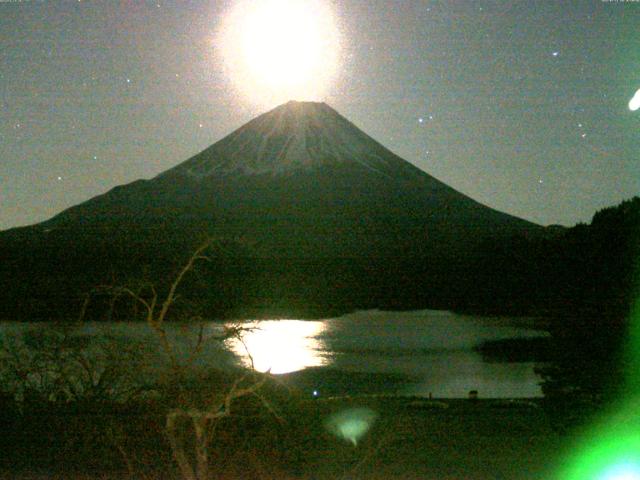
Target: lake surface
x,y
412,353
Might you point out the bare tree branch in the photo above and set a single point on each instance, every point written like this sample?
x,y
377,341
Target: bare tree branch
x,y
170,299
203,420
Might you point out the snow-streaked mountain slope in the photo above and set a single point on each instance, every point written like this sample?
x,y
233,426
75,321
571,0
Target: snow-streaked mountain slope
x,y
302,181
293,136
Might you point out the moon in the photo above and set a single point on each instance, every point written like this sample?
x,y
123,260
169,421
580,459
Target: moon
x,y
279,50
634,103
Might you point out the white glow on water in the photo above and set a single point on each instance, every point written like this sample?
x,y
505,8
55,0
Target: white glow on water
x,y
280,346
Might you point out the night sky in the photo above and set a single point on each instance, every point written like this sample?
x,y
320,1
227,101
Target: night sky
x,y
522,105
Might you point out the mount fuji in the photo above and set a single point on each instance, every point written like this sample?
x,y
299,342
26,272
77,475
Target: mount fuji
x,y
326,216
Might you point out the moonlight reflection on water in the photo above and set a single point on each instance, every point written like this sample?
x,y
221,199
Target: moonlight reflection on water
x,y
434,352
280,346
418,353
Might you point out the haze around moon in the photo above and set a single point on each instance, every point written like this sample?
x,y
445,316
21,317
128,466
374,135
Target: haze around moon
x,y
279,50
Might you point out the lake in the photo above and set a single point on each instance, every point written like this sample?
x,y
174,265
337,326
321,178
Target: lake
x,y
408,353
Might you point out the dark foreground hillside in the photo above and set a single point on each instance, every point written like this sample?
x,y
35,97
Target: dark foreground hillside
x,y
454,439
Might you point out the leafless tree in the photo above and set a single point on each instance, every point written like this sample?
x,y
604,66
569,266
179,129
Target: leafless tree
x,y
55,365
201,417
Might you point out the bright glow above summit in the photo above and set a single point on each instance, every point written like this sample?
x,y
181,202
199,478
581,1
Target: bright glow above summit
x,y
278,50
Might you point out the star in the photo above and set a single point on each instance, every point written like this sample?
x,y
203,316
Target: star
x,y
59,178
584,135
128,80
421,120
555,54
200,125
95,157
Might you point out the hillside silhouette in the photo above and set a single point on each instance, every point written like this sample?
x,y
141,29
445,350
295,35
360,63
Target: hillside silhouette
x,y
315,216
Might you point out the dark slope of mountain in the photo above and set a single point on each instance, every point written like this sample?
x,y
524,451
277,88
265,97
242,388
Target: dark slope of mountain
x,y
304,181
326,215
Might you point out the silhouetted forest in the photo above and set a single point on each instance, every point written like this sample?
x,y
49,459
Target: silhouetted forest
x,y
600,278
584,280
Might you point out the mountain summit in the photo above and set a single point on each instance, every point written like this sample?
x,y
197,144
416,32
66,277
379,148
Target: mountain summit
x,y
327,216
296,135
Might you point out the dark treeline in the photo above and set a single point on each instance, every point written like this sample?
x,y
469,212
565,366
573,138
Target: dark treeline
x,y
582,271
581,277
586,268
584,280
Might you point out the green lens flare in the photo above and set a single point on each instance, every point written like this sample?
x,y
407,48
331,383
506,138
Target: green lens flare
x,y
610,452
351,424
623,471
611,449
